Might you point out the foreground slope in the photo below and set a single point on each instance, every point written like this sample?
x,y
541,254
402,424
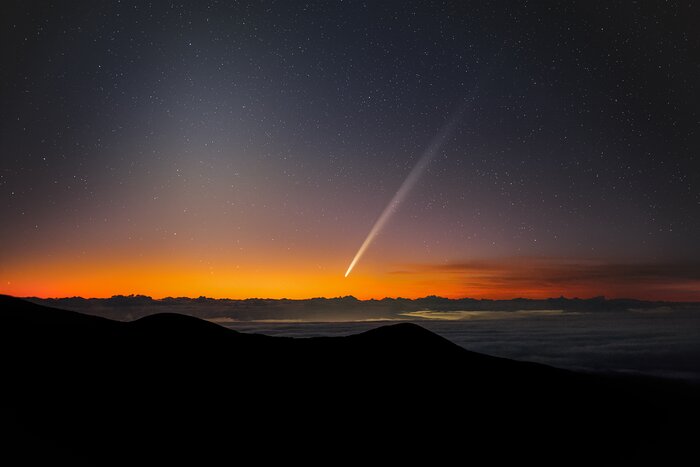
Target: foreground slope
x,y
170,387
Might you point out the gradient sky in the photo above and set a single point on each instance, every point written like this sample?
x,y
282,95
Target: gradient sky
x,y
240,149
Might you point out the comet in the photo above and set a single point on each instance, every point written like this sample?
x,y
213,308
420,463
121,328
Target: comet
x,y
414,175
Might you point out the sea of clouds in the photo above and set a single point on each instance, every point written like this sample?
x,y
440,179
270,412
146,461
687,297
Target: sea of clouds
x,y
657,342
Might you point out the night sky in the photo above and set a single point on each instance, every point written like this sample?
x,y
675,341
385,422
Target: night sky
x,y
246,149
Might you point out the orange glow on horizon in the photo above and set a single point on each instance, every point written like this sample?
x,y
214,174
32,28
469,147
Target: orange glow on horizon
x,y
178,278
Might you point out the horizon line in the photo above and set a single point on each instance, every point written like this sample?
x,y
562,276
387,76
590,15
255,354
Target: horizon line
x,y
561,297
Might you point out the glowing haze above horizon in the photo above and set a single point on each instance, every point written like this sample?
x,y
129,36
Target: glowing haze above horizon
x,y
247,149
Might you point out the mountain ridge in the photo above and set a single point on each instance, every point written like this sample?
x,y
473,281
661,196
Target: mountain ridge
x,y
175,386
349,308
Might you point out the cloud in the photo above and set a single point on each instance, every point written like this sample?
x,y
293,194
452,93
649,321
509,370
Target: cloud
x,y
462,315
654,342
540,277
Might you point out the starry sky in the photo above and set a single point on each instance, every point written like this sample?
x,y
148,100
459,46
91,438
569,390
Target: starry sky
x,y
245,149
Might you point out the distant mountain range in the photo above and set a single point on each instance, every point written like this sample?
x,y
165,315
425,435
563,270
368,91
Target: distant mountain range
x,y
125,308
170,388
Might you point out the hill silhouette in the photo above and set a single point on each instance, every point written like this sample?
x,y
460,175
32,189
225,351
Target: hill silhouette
x,y
169,387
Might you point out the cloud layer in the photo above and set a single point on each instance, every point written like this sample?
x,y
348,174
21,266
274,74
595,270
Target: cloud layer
x,y
543,277
653,342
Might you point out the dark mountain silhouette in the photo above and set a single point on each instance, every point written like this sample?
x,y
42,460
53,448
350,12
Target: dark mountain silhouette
x,y
169,387
130,307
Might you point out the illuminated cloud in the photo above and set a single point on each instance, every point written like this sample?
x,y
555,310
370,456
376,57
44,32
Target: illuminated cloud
x,y
546,277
